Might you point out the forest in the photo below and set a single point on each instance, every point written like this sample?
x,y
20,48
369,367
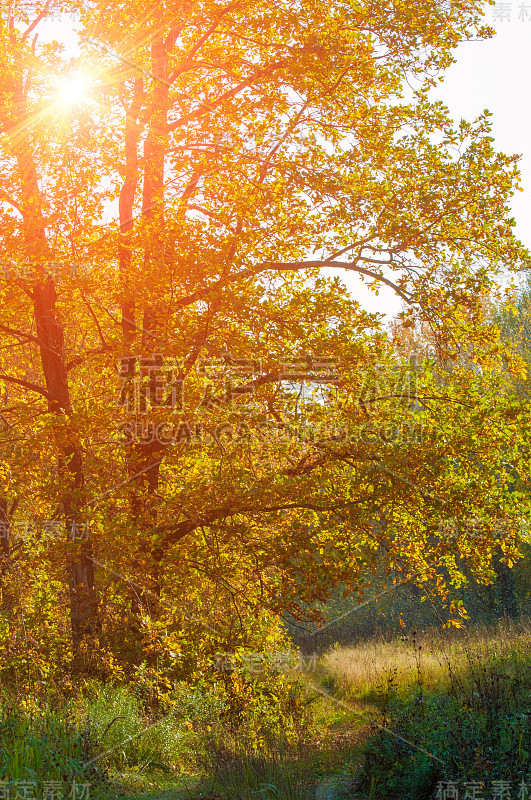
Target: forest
x,y
257,540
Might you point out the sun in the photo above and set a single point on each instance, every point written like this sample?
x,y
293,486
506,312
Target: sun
x,y
73,90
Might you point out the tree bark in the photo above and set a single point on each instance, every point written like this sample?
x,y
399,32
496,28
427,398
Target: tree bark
x,y
144,459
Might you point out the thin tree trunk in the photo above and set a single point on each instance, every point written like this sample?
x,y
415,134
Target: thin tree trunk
x,y
126,206
144,459
5,559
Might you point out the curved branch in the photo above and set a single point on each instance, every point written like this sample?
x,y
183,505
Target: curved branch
x,y
177,532
344,265
254,271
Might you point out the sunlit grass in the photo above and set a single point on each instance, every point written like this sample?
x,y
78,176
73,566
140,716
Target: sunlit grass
x,y
358,671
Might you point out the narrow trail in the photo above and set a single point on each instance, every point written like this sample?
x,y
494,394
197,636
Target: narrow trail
x,y
327,790
351,736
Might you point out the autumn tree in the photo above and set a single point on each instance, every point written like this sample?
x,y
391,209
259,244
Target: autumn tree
x,y
178,199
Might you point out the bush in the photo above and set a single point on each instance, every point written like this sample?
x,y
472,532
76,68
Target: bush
x,y
134,738
228,715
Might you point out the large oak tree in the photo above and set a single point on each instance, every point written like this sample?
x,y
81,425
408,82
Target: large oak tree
x,y
196,199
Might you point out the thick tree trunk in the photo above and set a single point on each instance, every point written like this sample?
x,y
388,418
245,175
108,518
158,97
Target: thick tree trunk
x,y
82,591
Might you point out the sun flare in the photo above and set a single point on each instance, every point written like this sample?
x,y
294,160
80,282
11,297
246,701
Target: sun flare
x,y
73,90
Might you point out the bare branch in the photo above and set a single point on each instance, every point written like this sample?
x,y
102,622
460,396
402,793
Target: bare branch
x,y
208,107
198,45
75,362
5,199
16,332
35,22
105,345
254,271
343,265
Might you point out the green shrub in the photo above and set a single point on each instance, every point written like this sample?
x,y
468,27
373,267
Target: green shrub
x,y
130,737
477,728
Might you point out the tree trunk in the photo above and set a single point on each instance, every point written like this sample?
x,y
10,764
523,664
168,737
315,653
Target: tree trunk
x,y
5,559
50,336
507,587
144,459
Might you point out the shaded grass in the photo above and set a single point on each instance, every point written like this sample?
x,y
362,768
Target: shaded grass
x,y
285,774
326,746
43,746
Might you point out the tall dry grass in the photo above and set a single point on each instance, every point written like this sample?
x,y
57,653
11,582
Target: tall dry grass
x,y
431,656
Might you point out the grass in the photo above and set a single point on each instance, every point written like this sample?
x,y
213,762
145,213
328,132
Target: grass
x,y
272,776
44,746
226,766
457,707
332,757
360,671
105,738
131,738
465,693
